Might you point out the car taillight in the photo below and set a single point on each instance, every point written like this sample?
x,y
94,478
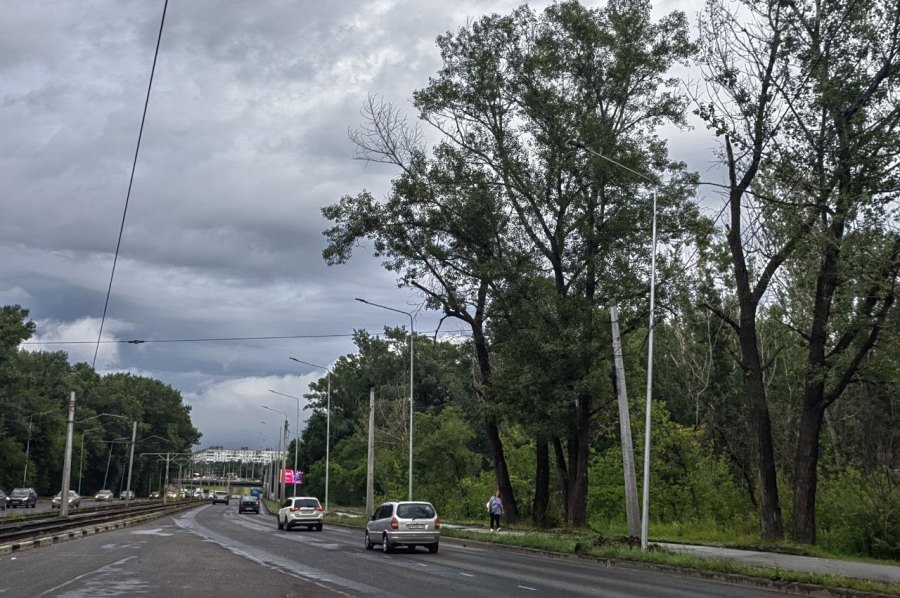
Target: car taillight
x,y
437,523
294,509
318,509
394,523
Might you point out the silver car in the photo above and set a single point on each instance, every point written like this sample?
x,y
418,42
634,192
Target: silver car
x,y
404,523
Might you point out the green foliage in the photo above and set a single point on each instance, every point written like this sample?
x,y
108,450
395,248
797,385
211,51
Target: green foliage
x,y
859,513
689,482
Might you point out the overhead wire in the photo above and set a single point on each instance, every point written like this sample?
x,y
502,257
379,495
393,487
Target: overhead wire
x,y
137,150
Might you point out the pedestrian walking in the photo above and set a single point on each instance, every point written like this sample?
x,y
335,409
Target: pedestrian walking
x,y
495,509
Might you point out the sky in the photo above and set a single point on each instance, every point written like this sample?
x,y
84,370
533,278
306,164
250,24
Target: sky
x,y
246,139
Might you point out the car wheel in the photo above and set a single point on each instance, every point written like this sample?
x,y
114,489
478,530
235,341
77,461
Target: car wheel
x,y
280,525
411,548
432,548
319,527
369,545
386,545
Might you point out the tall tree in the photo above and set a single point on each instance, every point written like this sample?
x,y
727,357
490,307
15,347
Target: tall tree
x,y
805,99
513,94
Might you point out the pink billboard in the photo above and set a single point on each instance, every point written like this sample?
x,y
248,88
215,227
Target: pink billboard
x,y
288,476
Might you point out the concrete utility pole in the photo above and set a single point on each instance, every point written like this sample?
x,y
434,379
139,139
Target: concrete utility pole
x,y
631,498
370,463
131,463
67,462
284,461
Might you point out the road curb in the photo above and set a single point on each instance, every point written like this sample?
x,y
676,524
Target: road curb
x,y
90,530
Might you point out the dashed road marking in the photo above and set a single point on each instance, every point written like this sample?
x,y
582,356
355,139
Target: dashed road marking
x,y
527,588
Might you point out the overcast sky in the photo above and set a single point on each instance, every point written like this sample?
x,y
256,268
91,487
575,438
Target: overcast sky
x,y
245,141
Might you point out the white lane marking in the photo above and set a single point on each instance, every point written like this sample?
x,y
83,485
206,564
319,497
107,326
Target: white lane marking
x,y
466,574
151,532
527,588
102,569
422,564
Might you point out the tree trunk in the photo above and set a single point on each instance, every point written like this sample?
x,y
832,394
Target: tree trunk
x,y
563,473
541,483
771,524
498,457
578,464
806,473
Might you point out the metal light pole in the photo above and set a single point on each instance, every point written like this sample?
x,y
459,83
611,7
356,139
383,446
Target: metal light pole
x,y
645,514
412,334
28,444
277,487
327,425
296,433
81,459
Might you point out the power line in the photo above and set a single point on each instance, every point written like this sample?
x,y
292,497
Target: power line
x,y
222,339
137,150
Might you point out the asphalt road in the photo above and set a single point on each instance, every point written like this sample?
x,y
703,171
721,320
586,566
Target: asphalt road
x,y
214,551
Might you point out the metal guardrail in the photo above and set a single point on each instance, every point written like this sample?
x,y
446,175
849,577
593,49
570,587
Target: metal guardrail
x,y
35,528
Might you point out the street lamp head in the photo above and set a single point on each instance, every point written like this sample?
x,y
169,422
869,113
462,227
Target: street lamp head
x,y
360,300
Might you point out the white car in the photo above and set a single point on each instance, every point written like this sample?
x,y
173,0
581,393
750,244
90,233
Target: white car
x,y
301,511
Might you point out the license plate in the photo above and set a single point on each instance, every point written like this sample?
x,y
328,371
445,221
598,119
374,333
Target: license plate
x,y
415,526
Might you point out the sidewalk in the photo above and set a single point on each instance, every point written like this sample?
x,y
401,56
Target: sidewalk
x,y
809,564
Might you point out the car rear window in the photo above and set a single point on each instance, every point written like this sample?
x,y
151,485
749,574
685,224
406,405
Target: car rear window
x,y
306,502
250,499
416,511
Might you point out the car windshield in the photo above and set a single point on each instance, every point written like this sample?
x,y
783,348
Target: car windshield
x,y
415,511
19,492
306,502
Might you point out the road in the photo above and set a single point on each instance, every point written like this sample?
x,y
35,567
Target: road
x,y
214,551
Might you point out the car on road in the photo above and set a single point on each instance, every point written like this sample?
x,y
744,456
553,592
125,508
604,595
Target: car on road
x,y
4,500
220,496
404,523
23,497
73,499
104,496
154,494
248,503
301,511
126,495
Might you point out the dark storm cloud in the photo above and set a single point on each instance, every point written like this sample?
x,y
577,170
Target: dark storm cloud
x,y
245,141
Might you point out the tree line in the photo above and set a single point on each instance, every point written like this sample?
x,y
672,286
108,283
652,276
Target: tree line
x,y
532,210
34,398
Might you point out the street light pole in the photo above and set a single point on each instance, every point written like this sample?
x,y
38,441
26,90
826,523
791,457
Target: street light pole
x,y
411,361
645,512
296,434
28,444
81,459
327,425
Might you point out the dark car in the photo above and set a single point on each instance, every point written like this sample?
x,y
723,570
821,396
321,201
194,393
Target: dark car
x,y
23,497
248,503
220,496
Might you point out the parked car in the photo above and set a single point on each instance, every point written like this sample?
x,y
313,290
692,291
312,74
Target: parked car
x,y
301,510
220,496
404,523
4,500
248,503
126,495
23,497
73,499
104,496
154,494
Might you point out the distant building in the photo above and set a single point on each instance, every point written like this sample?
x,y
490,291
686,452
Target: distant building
x,y
218,454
